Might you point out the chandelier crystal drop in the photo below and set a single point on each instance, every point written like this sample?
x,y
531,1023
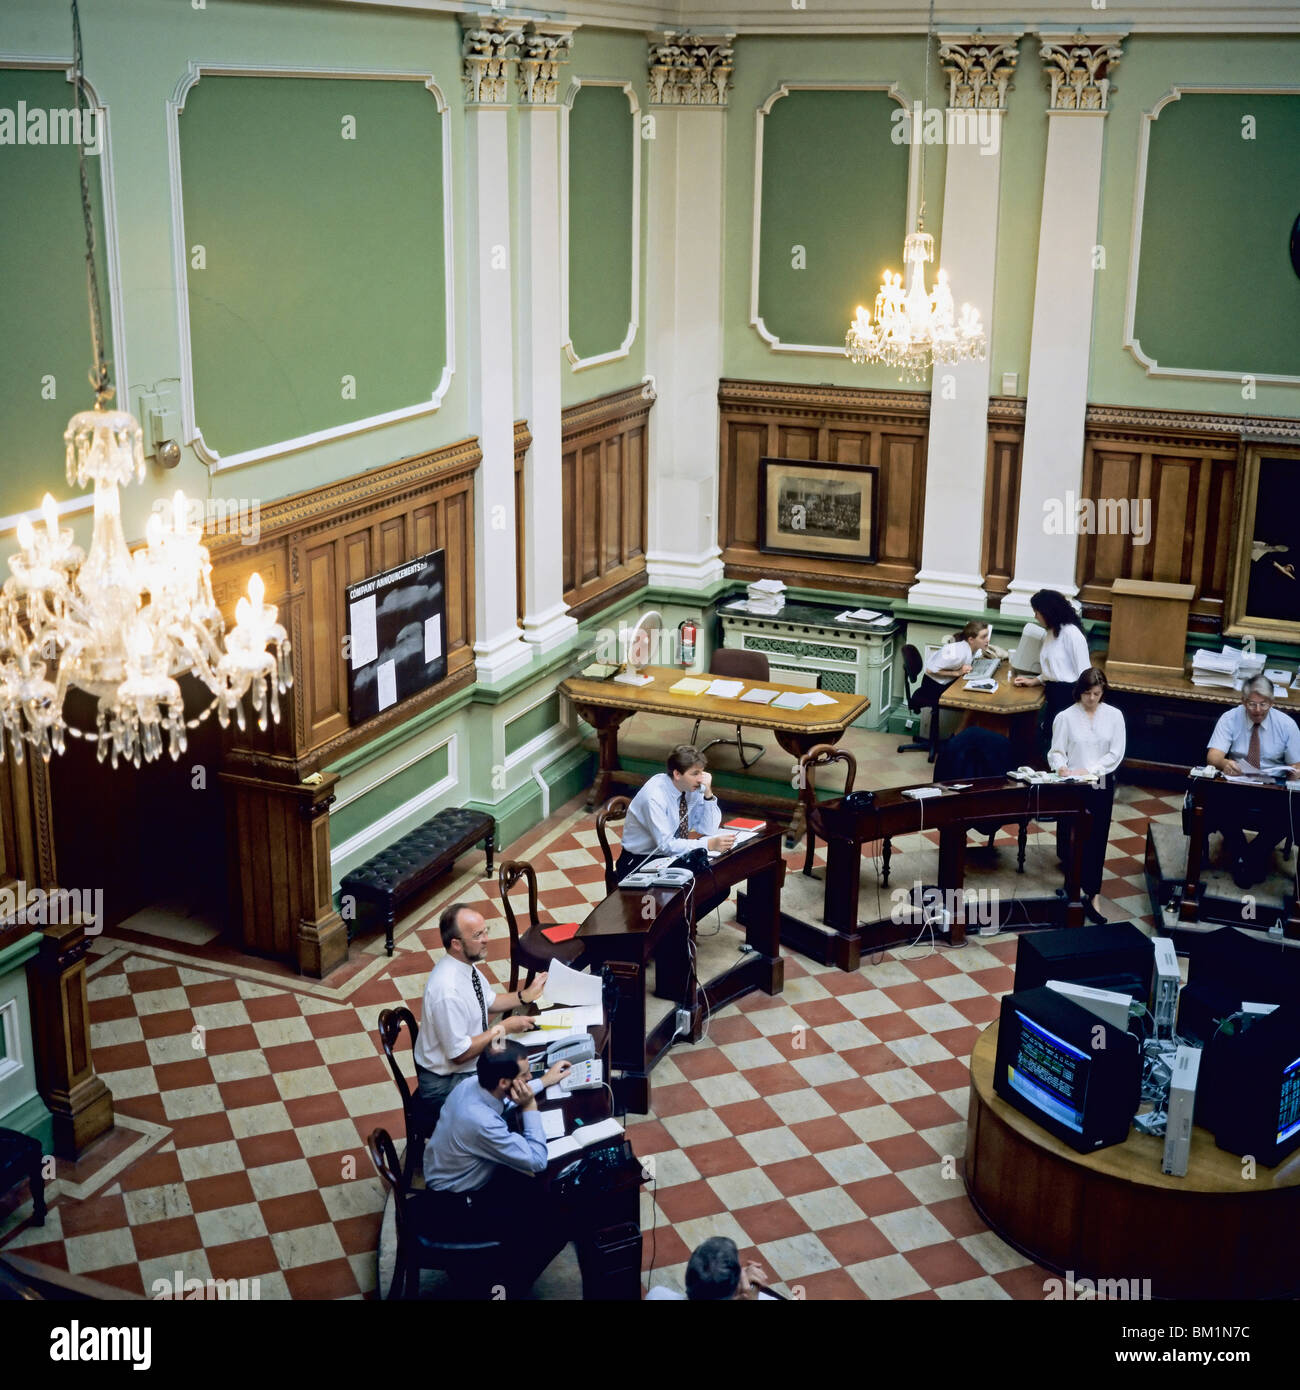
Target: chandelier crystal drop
x,y
118,625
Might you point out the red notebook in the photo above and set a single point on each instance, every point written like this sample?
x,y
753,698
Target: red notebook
x,y
561,931
738,824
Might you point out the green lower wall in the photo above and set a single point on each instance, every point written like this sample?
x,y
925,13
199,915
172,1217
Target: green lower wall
x,y
21,1107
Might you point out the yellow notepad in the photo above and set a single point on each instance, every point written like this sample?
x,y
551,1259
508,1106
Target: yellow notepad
x,y
688,685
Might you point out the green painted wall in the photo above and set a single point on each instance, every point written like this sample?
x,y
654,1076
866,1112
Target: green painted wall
x,y
1151,67
602,142
388,795
45,351
607,55
532,724
318,205
136,51
21,1107
762,65
1216,228
816,251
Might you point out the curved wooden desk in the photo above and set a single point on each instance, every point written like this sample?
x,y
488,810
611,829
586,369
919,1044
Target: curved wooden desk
x,y
1114,1215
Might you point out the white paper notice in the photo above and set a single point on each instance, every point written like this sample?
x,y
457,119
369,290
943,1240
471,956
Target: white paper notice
x,y
432,639
365,640
387,684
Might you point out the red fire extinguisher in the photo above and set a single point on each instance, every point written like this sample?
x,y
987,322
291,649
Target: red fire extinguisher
x,y
687,631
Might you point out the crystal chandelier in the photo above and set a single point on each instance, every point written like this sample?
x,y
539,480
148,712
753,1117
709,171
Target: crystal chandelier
x,y
915,330
121,626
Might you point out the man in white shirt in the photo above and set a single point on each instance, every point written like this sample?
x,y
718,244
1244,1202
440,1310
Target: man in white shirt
x,y
1255,735
674,813
455,1019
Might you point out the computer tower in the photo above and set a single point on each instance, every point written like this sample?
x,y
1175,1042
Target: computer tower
x,y
1117,956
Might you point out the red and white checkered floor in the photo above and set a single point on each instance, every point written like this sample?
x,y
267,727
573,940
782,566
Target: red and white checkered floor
x,y
823,1129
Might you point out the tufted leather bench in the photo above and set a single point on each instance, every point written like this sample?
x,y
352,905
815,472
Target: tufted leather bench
x,y
390,879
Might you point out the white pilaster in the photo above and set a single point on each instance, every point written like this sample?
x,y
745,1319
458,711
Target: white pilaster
x,y
979,72
547,621
489,45
1060,347
689,80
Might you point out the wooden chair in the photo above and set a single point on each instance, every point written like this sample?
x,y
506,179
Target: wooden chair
x,y
820,755
530,948
913,669
614,809
419,1114
418,1246
743,665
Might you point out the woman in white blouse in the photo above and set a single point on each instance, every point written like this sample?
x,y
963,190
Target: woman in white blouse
x,y
1063,657
1088,737
954,659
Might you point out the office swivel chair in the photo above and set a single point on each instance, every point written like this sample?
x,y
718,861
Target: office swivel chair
x,y
913,669
739,665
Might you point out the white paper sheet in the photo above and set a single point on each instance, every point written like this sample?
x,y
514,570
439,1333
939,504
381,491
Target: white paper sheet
x,y
727,690
432,639
759,696
387,684
365,637
564,985
553,1122
820,697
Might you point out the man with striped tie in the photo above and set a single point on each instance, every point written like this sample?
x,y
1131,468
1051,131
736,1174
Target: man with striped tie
x,y
673,814
1256,738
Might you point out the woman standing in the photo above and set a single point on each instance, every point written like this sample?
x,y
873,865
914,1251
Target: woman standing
x,y
1088,737
1063,657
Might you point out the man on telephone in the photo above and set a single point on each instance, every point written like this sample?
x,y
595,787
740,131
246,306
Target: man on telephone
x,y
478,1171
674,813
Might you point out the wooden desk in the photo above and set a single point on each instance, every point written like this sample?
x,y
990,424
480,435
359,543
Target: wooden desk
x,y
1214,801
1169,720
605,704
952,814
632,927
1114,1215
1011,709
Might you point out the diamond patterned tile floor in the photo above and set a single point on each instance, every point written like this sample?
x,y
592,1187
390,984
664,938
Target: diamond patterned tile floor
x,y
822,1130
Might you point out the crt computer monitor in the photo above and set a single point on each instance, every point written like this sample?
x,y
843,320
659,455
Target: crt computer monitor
x,y
1116,956
1254,1087
1067,1069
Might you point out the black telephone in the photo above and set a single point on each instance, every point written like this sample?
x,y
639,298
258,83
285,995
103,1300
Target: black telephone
x,y
595,1169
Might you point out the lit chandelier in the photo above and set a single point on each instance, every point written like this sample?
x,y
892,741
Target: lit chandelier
x,y
915,330
117,625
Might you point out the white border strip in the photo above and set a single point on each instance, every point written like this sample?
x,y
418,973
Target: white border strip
x,y
73,507
913,194
1131,342
108,196
398,814
10,1036
193,435
577,363
539,741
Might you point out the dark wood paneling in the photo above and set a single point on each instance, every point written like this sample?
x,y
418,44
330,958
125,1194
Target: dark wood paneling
x,y
604,479
1006,439
887,429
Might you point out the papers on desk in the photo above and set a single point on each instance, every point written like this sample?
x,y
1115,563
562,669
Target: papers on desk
x,y
583,1137
741,837
725,690
689,685
758,696
791,699
553,1120
865,615
565,985
820,697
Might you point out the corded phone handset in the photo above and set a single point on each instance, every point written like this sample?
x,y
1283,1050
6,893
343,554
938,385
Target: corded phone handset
x,y
572,1050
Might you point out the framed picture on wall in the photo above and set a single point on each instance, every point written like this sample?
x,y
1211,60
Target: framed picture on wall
x,y
1264,587
824,509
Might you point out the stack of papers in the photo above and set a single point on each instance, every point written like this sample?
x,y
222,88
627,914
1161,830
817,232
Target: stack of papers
x,y
820,697
726,690
1216,668
688,685
792,699
758,696
581,998
865,615
766,596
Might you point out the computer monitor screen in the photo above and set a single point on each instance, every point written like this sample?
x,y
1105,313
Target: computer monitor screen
x,y
1049,1073
1288,1110
1066,1069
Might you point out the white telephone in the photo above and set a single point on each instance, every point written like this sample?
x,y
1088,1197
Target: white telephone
x,y
585,1076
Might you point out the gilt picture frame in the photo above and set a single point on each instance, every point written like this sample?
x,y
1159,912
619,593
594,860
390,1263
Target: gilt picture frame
x,y
817,509
1263,598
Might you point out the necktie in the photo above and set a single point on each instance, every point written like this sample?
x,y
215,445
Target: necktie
x,y
478,994
1253,754
681,817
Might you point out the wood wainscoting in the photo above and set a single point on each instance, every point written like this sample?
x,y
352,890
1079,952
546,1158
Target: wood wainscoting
x,y
1006,444
605,478
885,429
310,547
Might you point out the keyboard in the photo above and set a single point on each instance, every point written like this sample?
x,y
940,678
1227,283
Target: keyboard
x,y
983,667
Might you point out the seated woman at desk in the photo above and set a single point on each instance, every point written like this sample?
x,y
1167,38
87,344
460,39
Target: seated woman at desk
x,y
1088,736
674,813
952,660
1255,736
1063,657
